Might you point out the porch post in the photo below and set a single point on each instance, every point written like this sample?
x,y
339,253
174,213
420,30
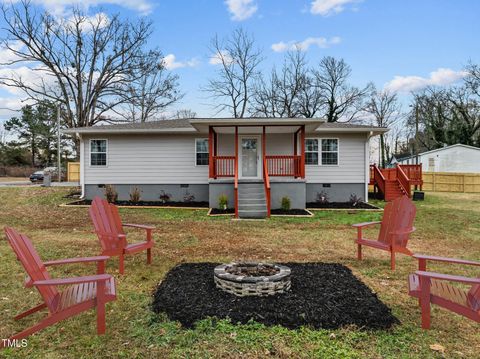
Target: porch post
x,y
264,144
211,169
295,151
302,160
236,172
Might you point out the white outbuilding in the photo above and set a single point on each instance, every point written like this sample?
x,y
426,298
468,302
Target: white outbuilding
x,y
455,158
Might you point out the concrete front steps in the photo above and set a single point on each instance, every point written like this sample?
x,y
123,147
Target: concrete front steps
x,y
252,202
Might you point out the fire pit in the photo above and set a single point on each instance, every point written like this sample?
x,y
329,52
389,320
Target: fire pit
x,y
250,278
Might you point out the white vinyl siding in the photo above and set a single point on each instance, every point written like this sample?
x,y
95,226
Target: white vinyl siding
x,y
171,159
351,160
148,159
277,144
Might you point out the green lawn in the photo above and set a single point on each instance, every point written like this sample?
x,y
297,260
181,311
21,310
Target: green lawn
x,y
447,224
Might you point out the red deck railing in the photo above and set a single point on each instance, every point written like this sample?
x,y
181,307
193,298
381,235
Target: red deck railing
x,y
284,166
403,181
413,172
224,166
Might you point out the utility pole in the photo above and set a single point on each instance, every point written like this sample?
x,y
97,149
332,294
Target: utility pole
x,y
59,139
416,133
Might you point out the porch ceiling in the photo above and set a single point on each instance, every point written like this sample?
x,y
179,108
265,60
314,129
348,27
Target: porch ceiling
x,y
251,130
254,125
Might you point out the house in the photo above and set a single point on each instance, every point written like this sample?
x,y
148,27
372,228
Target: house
x,y
455,158
255,162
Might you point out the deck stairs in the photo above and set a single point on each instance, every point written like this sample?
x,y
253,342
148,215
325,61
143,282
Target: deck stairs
x,y
392,183
252,202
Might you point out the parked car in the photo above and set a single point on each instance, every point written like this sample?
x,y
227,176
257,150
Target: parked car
x,y
37,176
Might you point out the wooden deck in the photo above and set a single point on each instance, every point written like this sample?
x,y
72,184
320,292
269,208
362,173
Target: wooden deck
x,y
395,182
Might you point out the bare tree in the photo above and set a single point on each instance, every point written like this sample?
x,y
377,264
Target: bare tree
x,y
386,110
340,101
265,99
85,62
184,113
151,90
291,92
238,59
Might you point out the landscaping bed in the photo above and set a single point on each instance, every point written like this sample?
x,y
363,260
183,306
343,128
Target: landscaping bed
x,y
87,202
322,295
340,205
217,211
290,212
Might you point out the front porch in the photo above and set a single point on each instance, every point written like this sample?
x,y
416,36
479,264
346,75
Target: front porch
x,y
258,165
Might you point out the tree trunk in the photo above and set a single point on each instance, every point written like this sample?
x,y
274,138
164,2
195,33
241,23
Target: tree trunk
x,y
382,150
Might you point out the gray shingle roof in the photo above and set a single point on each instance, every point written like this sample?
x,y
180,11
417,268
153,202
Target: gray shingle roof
x,y
183,124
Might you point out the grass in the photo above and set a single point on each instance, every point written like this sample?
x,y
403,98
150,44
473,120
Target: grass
x,y
447,224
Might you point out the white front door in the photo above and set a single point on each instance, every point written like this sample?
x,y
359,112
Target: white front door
x,y
250,154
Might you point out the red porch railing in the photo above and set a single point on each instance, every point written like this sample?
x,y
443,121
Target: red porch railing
x,y
403,181
414,173
224,166
284,166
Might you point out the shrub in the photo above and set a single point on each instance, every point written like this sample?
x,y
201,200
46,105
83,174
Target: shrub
x,y
223,201
111,194
354,200
286,203
165,197
135,194
322,197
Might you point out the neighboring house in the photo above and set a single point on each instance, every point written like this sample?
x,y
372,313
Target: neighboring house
x,y
298,157
454,158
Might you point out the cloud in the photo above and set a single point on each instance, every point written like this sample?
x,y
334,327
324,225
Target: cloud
x,y
10,106
171,63
440,77
330,7
241,9
90,22
321,42
217,58
59,7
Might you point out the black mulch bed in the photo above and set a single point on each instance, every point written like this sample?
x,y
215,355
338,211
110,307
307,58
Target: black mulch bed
x,y
147,203
290,212
323,295
222,211
341,205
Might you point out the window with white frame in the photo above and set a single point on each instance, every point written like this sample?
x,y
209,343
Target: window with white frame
x,y
98,152
311,151
321,151
329,151
201,151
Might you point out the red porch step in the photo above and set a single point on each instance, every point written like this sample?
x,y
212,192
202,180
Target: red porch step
x,y
393,190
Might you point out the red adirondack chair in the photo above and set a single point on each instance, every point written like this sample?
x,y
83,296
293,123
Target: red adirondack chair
x,y
109,229
80,293
396,227
434,288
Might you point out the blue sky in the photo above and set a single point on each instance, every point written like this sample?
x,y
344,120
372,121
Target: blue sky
x,y
403,44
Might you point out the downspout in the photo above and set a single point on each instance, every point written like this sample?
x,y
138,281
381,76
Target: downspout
x,y
367,164
82,165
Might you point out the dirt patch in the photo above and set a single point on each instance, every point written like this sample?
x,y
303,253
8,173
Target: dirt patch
x,y
146,204
341,205
323,295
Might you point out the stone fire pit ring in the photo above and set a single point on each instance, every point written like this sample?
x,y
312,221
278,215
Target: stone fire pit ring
x,y
243,285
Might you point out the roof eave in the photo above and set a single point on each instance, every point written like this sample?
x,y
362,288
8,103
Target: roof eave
x,y
91,130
